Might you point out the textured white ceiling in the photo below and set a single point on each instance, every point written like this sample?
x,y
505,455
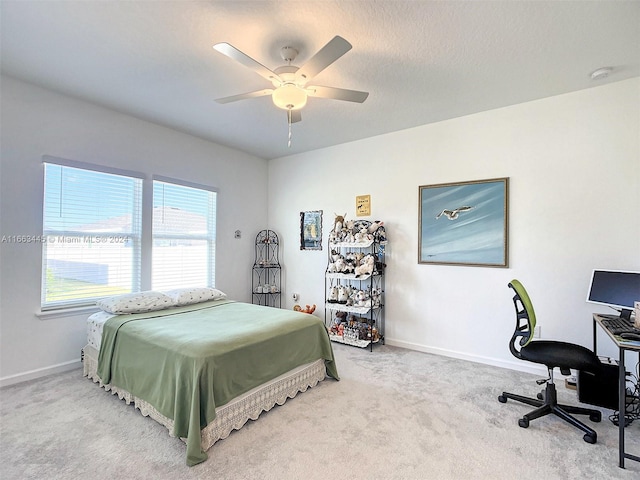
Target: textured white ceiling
x,y
421,61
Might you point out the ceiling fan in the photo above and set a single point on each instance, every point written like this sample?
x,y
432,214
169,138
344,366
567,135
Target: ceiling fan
x,y
290,83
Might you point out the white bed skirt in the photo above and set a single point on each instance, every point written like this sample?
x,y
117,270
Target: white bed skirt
x,y
234,414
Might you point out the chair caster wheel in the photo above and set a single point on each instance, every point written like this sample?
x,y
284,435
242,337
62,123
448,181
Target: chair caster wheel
x,y
524,422
589,438
595,417
502,399
540,396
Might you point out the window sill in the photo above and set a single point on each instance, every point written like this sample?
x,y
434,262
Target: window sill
x,y
66,312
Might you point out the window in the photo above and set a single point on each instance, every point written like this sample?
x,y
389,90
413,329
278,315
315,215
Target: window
x,y
184,236
91,233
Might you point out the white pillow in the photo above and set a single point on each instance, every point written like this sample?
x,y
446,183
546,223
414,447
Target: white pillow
x,y
138,302
191,295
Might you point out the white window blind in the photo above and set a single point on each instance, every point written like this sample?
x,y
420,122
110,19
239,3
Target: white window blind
x,y
91,232
184,235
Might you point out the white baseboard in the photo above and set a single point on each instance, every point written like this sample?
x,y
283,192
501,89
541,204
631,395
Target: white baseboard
x,y
40,372
511,365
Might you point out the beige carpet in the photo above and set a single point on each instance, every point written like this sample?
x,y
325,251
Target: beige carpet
x,y
395,414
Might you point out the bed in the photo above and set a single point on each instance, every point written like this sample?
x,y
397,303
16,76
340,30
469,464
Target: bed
x,y
205,366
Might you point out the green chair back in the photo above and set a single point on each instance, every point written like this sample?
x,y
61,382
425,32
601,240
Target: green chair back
x,y
525,318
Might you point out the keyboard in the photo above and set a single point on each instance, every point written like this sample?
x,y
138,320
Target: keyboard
x,y
617,325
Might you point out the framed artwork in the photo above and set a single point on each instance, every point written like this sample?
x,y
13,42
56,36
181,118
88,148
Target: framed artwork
x,y
311,230
464,223
363,205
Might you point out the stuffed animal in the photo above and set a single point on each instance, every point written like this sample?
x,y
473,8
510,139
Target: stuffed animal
x,y
362,236
338,222
340,264
350,238
333,295
349,266
374,334
350,300
376,297
359,297
362,299
366,266
374,226
340,317
307,309
343,294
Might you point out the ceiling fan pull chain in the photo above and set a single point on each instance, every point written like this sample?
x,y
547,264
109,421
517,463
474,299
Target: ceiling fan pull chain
x,y
289,118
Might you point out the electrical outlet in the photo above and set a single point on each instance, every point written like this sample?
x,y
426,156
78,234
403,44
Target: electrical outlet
x,y
536,332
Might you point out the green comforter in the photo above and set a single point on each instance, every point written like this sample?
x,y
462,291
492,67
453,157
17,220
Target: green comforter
x,y
187,361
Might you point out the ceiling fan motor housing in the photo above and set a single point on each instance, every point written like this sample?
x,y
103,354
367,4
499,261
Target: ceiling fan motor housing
x,y
288,54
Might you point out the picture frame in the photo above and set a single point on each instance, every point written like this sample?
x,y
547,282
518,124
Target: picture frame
x,y
311,230
464,223
363,205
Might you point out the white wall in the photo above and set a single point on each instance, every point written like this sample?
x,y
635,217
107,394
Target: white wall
x,y
574,168
37,122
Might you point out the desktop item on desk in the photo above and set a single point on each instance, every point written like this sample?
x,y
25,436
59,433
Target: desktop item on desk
x,y
617,289
619,326
632,336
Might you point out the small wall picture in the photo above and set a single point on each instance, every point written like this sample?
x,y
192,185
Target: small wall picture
x,y
363,205
464,223
311,230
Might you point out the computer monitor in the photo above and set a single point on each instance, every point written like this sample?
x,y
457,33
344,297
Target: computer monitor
x,y
615,288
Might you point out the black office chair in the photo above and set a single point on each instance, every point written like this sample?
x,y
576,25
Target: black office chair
x,y
562,355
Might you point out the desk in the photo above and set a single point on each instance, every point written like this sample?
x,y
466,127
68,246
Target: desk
x,y
623,346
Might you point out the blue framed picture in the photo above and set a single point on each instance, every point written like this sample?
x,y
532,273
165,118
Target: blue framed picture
x,y
311,230
464,223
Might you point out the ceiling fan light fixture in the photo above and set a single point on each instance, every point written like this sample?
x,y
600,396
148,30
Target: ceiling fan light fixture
x,y
289,97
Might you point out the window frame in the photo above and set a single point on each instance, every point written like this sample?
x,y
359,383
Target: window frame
x,y
53,235
143,263
211,239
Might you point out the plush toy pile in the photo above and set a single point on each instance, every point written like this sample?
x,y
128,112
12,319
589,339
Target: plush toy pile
x,y
353,297
353,328
357,231
359,234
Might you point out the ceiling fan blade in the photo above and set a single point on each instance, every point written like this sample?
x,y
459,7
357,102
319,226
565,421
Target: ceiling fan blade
x,y
296,116
337,93
235,54
328,54
242,96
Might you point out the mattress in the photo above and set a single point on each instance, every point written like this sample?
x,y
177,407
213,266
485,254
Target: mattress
x,y
95,325
188,367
